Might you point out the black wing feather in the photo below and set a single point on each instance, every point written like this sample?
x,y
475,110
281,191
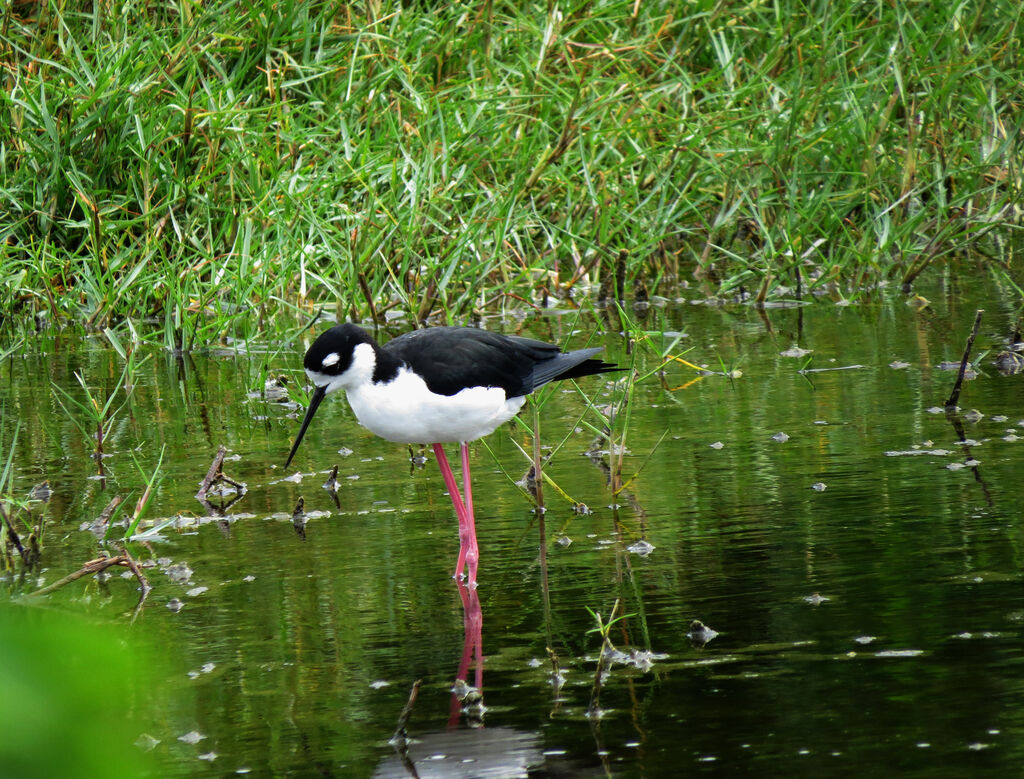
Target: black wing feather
x,y
452,358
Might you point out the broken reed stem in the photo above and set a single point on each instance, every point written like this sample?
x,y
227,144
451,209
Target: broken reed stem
x,y
332,480
12,534
216,474
134,568
93,566
299,518
556,670
108,511
954,396
403,718
99,565
213,473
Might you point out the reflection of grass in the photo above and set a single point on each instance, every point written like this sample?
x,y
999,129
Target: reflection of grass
x,y
66,695
209,168
91,417
15,517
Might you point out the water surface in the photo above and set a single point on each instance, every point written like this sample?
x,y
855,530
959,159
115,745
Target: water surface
x,y
859,562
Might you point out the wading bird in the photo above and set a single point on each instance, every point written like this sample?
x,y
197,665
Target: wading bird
x,y
438,385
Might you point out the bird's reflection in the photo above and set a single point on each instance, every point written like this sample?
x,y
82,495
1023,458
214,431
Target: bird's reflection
x,y
465,697
468,749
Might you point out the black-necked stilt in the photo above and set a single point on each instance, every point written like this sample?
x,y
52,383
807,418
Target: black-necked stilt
x,y
438,385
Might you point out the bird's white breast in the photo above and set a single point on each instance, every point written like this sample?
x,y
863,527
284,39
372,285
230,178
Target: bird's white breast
x,y
405,411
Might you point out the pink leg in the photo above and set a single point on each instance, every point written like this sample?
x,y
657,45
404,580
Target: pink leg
x,y
473,553
465,523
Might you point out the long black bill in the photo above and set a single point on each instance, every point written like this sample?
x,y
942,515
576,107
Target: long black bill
x,y
318,395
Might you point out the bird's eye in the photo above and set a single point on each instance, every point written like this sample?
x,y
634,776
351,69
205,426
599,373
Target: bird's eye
x,y
331,359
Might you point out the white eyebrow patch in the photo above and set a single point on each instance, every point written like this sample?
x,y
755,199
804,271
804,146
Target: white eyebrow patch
x,y
331,359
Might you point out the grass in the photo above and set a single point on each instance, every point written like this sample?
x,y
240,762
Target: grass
x,y
183,172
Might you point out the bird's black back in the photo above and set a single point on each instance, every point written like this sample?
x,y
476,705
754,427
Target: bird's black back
x,y
452,358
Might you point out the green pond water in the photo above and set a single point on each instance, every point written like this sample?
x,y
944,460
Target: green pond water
x,y
861,564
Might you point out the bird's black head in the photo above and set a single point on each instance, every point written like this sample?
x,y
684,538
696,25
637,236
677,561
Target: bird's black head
x,y
331,352
326,362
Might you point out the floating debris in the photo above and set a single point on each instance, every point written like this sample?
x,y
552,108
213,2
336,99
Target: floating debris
x,y
969,373
899,365
717,445
795,351
379,684
275,389
1009,363
865,639
917,302
146,742
780,437
819,486
900,653
196,591
192,737
640,659
984,634
973,416
179,573
40,492
208,756
642,548
204,669
836,368
816,599
915,452
563,541
700,634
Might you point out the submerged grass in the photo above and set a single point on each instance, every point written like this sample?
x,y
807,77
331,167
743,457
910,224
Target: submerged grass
x,y
200,169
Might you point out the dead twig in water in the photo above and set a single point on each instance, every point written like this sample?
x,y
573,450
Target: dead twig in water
x,y
331,485
12,534
98,565
557,680
215,475
144,584
299,518
401,733
99,525
954,396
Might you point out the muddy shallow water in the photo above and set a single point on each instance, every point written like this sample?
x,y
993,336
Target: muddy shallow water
x,y
858,561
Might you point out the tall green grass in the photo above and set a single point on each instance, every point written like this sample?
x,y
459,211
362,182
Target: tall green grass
x,y
202,168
